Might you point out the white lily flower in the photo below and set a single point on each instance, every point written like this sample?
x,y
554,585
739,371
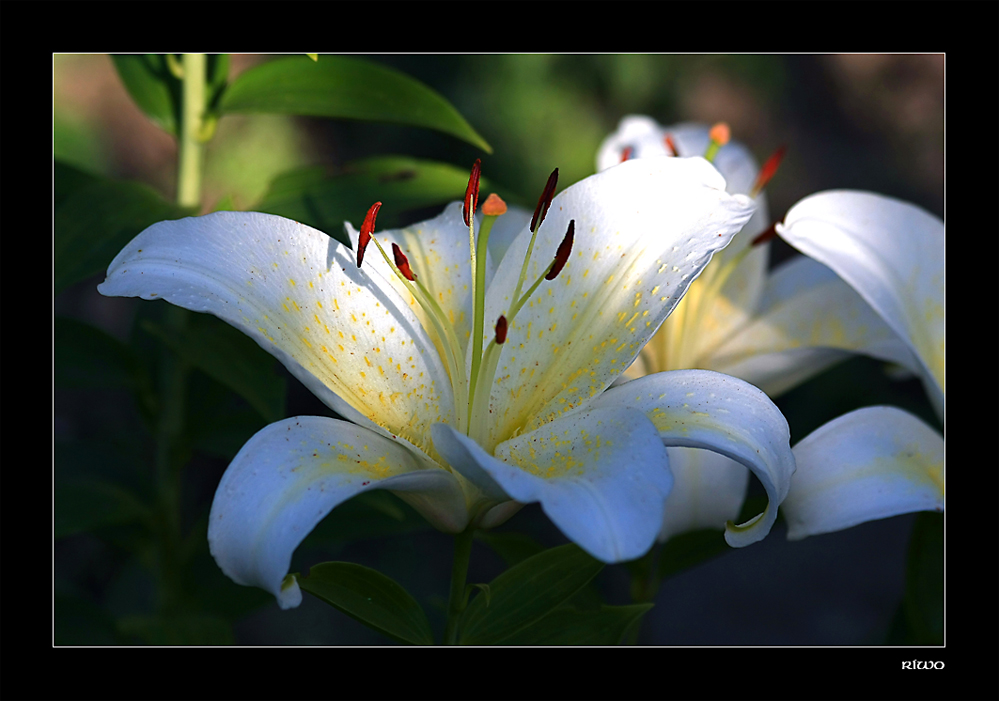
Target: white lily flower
x,y
389,344
872,284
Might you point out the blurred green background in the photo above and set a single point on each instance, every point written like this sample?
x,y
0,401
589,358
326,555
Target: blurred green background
x,y
872,122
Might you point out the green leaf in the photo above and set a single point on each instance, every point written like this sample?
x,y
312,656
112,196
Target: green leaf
x,y
87,357
67,179
688,549
924,596
158,92
569,626
526,593
513,547
370,597
190,629
345,88
80,622
154,89
95,221
373,514
84,505
403,184
229,357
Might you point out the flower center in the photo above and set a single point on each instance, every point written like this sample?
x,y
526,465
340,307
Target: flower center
x,y
471,393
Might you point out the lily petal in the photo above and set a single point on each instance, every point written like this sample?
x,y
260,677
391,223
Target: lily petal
x,y
704,409
808,320
644,231
438,253
601,476
892,253
708,491
292,473
869,464
299,294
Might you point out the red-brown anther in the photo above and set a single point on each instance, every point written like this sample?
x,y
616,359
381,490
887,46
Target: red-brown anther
x,y
626,154
768,170
671,145
765,236
545,201
500,330
562,254
472,191
366,228
402,262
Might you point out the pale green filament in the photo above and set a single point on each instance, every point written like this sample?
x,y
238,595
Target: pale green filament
x,y
445,334
479,297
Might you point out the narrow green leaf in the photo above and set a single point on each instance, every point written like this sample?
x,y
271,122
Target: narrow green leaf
x,y
403,184
95,221
527,592
370,597
344,87
229,357
568,626
154,89
84,505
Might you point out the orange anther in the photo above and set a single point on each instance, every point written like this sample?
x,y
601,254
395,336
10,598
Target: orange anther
x,y
671,145
768,171
626,154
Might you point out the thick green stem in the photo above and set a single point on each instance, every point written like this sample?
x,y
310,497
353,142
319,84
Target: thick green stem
x,y
190,146
458,596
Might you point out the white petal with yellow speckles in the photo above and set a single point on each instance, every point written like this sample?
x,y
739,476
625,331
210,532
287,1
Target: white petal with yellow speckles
x,y
600,475
300,295
644,230
809,319
292,473
892,253
872,463
438,253
704,409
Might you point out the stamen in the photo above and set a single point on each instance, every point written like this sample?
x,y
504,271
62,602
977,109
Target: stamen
x,y
562,254
366,228
472,191
493,206
671,145
719,135
501,330
765,236
626,154
768,171
544,201
402,262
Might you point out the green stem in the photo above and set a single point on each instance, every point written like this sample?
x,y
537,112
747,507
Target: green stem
x,y
458,596
190,145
